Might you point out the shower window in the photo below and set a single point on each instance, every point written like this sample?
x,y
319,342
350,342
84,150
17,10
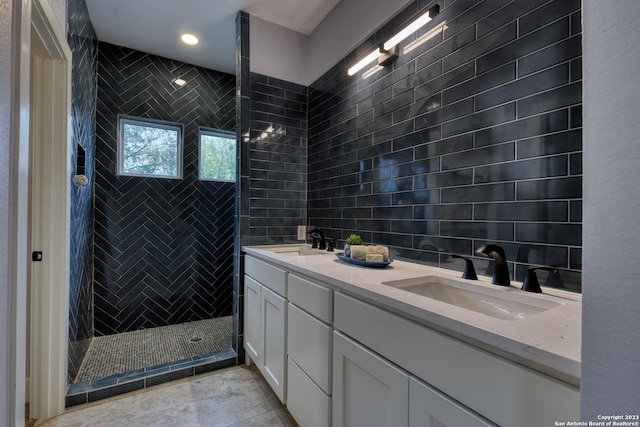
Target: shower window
x,y
150,148
217,155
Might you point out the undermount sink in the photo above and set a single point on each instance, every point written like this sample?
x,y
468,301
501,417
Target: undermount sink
x,y
304,252
297,251
498,303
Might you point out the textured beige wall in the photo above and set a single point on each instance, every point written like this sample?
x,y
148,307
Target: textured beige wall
x,y
59,8
7,26
611,232
294,57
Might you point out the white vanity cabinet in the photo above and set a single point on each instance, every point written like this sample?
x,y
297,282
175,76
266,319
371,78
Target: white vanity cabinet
x,y
287,334
338,359
370,390
265,318
310,313
468,381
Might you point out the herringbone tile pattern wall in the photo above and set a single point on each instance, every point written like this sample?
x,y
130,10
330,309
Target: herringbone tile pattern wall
x,y
163,247
83,43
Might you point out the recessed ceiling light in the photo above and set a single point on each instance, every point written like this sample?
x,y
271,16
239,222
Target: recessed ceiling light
x,y
189,39
180,82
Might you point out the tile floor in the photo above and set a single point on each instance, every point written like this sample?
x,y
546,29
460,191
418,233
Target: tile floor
x,y
232,397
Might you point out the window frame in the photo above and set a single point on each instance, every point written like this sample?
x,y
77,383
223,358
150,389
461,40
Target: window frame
x,y
159,124
203,131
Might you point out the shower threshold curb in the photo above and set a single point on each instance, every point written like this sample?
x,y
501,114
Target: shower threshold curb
x,y
103,388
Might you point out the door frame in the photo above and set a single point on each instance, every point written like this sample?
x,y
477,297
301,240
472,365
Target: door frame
x,y
51,149
19,18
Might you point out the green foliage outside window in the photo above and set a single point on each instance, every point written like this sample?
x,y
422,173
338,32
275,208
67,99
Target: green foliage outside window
x,y
154,148
150,149
217,156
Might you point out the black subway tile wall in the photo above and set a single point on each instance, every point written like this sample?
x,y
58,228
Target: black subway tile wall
x,y
163,247
243,120
472,135
83,44
272,162
278,159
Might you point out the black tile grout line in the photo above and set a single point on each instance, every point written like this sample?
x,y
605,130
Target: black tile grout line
x,y
198,366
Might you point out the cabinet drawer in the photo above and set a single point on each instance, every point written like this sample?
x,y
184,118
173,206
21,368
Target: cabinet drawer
x,y
425,403
269,275
308,404
311,297
519,396
309,345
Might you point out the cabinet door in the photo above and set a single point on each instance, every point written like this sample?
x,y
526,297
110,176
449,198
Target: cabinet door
x,y
430,408
252,319
273,341
367,390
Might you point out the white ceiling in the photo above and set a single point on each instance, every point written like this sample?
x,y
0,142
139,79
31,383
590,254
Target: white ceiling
x,y
154,26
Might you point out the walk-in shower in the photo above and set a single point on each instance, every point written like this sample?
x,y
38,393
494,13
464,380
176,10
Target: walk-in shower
x,y
152,256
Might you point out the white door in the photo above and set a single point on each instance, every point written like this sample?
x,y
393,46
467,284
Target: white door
x,y
49,226
430,408
367,390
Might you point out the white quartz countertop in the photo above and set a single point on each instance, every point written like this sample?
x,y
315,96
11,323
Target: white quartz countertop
x,y
548,342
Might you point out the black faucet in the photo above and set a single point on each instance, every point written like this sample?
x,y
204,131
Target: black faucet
x,y
469,271
331,244
315,235
314,243
501,274
531,283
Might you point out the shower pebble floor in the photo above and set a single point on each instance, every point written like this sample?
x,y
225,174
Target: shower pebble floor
x,y
120,353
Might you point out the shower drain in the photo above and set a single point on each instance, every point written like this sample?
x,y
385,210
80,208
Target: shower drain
x,y
195,339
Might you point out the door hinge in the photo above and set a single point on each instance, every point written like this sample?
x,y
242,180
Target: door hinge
x,y
36,256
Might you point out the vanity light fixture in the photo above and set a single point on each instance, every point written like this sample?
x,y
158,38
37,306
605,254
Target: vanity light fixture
x,y
387,56
364,62
189,39
388,51
180,82
412,28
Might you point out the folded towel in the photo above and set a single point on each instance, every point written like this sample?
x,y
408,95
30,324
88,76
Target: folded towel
x,y
360,252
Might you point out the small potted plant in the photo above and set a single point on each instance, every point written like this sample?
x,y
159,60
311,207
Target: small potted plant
x,y
353,239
